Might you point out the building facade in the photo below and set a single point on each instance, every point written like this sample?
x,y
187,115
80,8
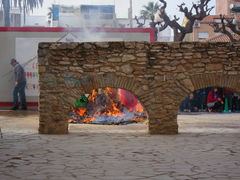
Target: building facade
x,y
202,30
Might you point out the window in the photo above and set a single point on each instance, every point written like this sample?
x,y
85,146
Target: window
x,y
203,35
99,11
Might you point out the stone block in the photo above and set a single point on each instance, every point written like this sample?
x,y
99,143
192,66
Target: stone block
x,y
214,67
128,57
188,84
102,44
107,69
41,69
169,68
141,54
126,68
115,59
199,64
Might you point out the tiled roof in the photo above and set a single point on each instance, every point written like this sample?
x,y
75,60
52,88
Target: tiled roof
x,y
211,18
221,38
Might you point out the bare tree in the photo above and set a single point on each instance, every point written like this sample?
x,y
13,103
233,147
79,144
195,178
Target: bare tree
x,y
196,12
226,26
140,25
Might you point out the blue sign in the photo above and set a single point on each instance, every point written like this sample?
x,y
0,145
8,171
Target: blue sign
x,y
55,12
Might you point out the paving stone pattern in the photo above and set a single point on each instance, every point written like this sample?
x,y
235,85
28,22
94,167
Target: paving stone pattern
x,y
207,148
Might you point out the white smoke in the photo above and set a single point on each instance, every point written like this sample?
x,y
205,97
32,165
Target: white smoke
x,y
90,28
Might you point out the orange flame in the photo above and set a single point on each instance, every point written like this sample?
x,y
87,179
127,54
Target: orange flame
x,y
81,111
92,96
110,110
139,108
87,120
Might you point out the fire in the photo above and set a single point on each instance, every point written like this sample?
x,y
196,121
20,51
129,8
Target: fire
x,y
111,105
108,90
87,120
92,96
138,108
81,111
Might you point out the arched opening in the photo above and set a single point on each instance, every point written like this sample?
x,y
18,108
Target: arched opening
x,y
107,106
210,110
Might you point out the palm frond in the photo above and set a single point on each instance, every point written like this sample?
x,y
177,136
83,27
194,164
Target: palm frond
x,y
29,4
150,9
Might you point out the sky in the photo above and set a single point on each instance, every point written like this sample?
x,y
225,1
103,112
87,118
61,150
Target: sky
x,y
121,5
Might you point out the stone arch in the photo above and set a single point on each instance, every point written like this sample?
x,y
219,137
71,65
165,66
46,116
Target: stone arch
x,y
175,91
93,81
160,75
201,81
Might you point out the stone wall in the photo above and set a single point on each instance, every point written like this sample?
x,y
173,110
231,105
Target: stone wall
x,y
160,75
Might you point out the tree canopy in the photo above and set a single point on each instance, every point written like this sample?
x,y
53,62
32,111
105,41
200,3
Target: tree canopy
x,y
198,11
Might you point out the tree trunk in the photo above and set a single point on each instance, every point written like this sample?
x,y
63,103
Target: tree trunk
x,y
178,36
230,36
6,8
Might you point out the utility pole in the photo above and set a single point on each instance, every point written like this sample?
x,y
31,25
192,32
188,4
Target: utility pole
x,y
6,12
130,15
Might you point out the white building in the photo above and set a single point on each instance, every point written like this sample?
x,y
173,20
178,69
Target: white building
x,y
15,17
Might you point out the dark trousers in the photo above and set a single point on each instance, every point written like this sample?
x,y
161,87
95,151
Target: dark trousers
x,y
218,107
19,90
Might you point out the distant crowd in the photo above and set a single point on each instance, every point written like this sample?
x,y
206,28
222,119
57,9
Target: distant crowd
x,y
211,100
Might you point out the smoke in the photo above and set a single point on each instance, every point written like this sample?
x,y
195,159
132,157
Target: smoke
x,y
90,22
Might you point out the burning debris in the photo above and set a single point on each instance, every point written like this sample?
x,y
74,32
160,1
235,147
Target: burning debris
x,y
107,106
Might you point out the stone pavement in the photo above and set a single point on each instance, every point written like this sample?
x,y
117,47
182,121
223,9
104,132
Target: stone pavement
x,y
207,148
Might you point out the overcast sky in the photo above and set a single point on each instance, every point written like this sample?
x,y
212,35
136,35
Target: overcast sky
x,y
121,5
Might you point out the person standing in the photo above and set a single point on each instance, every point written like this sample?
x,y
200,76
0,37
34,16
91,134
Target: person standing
x,y
20,84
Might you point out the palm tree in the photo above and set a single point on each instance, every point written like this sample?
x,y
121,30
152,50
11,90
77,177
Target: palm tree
x,y
24,5
50,13
149,12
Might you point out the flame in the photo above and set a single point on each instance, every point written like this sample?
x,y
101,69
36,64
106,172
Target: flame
x,y
81,111
139,108
92,96
108,90
111,108
87,120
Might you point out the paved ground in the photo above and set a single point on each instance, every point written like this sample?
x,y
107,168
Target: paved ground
x,y
208,147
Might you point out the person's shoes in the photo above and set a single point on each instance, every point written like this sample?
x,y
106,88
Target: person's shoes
x,y
14,108
24,108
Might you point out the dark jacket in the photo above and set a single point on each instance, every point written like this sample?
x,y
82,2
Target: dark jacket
x,y
19,74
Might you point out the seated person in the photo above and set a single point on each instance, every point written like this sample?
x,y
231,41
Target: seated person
x,y
214,102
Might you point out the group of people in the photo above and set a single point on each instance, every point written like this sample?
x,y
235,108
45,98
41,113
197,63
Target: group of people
x,y
211,100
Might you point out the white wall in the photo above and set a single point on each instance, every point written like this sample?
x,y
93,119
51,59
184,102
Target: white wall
x,y
23,46
36,21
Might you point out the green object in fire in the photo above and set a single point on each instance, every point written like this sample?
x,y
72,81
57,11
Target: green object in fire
x,y
81,102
